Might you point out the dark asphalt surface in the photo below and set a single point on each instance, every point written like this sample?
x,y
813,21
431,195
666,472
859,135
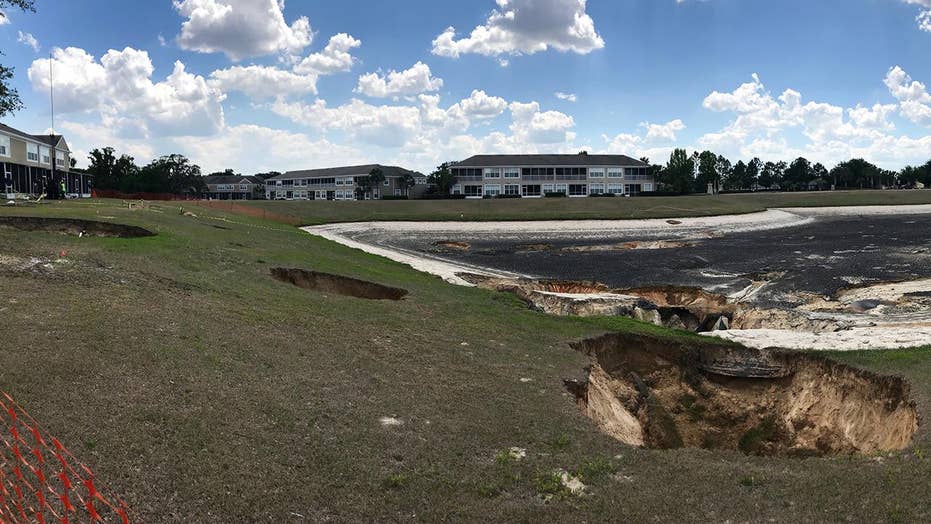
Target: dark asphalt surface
x,y
822,257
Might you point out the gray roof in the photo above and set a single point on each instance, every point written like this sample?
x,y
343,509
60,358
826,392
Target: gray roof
x,y
389,171
550,160
51,140
230,179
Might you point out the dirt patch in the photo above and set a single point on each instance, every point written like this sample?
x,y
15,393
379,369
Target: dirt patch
x,y
654,393
68,226
646,244
340,285
688,308
451,244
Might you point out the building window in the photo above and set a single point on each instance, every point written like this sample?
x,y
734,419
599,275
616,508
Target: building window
x,y
616,189
647,188
531,190
4,145
492,189
578,189
511,172
45,154
472,191
397,192
387,182
596,189
493,172
615,172
561,188
547,188
511,189
457,189
632,189
596,173
32,152
466,172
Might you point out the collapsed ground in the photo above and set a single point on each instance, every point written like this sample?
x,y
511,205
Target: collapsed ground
x,y
203,389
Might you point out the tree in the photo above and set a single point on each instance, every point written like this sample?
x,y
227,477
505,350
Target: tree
x,y
168,174
9,97
225,172
738,175
724,168
752,175
707,172
108,170
442,178
679,174
798,175
856,173
266,176
406,182
376,179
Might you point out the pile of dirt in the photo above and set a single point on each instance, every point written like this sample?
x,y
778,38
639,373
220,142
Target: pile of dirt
x,y
76,227
340,285
688,308
452,244
654,393
624,246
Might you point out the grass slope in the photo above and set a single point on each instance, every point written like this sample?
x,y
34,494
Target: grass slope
x,y
318,212
205,391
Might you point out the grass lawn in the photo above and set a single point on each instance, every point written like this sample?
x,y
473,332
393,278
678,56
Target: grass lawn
x,y
203,390
319,212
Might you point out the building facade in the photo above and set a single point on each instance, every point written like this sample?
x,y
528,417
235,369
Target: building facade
x,y
533,176
31,164
234,187
340,183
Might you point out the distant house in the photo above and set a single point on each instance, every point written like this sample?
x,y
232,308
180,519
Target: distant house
x,y
233,187
340,183
532,176
31,164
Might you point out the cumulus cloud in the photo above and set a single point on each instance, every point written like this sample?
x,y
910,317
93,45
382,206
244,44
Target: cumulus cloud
x,y
119,87
530,125
236,147
418,79
28,40
665,131
240,28
263,82
833,133
912,95
334,58
924,16
526,27
568,97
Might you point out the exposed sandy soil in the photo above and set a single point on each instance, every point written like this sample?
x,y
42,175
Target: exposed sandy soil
x,y
649,393
340,285
77,227
791,273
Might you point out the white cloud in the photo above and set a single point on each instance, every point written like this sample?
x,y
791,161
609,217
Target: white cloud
x,y
913,97
526,27
530,125
415,80
830,133
568,97
334,58
236,146
665,131
240,28
263,82
385,126
480,105
3,18
29,40
924,16
119,87
161,41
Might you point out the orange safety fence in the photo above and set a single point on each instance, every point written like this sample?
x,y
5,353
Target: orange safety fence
x,y
42,482
110,193
251,211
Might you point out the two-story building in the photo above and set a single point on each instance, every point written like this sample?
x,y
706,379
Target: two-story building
x,y
533,176
30,164
234,187
340,183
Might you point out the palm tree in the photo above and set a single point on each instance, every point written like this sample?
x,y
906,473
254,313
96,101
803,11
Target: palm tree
x,y
407,182
375,179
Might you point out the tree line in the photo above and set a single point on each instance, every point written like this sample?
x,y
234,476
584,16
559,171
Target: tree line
x,y
694,173
167,174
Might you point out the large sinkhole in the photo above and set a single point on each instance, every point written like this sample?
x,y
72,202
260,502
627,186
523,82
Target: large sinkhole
x,y
337,284
77,227
659,394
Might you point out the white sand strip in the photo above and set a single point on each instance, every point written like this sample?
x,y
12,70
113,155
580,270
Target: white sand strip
x,y
445,269
908,209
847,340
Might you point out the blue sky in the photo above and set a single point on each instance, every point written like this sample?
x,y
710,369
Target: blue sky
x,y
264,84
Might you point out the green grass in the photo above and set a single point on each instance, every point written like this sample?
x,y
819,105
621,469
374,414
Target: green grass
x,y
318,212
203,390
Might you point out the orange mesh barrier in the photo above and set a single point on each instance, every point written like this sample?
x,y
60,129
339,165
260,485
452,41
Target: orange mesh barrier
x,y
41,481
